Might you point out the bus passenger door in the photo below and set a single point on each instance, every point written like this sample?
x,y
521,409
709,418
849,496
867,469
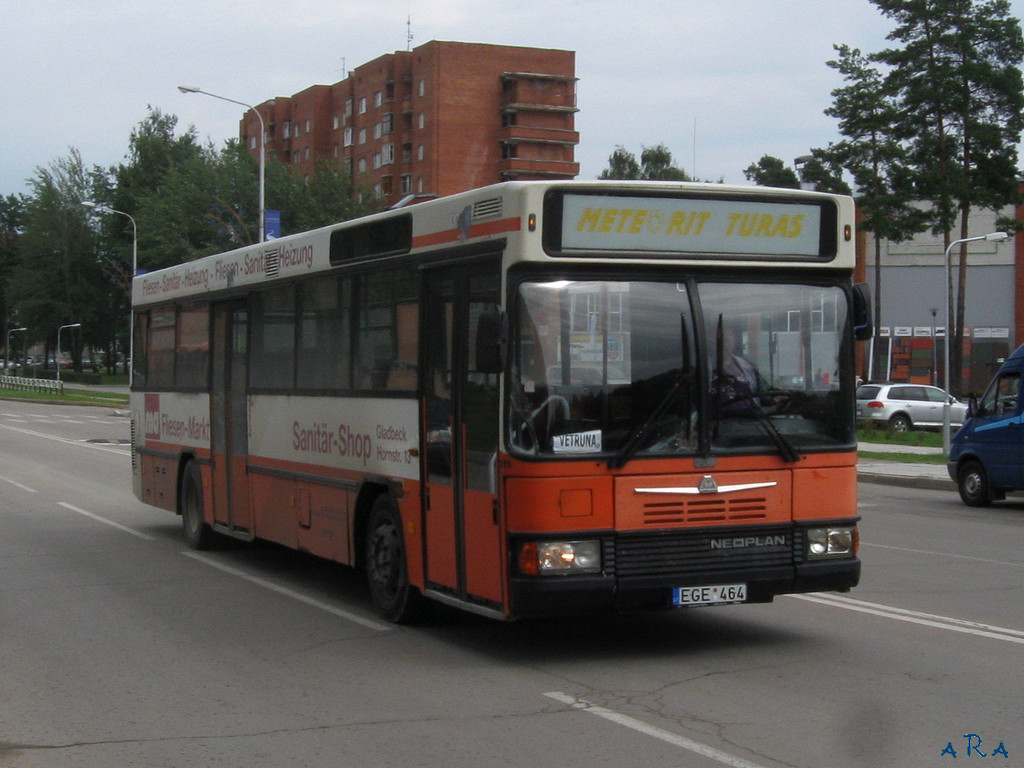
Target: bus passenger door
x,y
462,532
229,419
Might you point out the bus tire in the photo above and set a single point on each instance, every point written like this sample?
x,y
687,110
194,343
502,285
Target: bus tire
x,y
972,482
387,569
198,534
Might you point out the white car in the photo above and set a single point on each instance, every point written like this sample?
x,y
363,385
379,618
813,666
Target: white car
x,y
901,407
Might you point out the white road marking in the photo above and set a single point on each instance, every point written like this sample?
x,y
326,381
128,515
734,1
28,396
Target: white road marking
x,y
347,615
916,617
104,520
944,554
18,485
649,730
123,450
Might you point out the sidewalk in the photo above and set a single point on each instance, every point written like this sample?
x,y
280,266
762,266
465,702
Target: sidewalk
x,y
908,474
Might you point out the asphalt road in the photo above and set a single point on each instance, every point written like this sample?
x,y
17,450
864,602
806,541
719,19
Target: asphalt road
x,y
119,647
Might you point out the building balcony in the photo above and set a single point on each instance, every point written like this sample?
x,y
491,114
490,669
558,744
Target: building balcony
x,y
524,134
524,167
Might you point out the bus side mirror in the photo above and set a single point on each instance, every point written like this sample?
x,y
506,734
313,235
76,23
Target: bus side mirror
x,y
862,327
491,341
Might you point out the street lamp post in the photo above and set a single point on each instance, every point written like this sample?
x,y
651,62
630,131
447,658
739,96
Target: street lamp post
x,y
135,233
57,356
7,352
135,270
992,237
263,148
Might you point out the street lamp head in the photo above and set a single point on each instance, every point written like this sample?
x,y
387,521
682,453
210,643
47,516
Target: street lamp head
x,y
189,88
997,237
89,204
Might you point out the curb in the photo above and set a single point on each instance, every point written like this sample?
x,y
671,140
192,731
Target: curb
x,y
906,481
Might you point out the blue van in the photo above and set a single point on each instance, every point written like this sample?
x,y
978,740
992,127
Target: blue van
x,y
986,457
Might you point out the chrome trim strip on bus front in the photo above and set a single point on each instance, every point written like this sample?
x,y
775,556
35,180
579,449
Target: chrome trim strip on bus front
x,y
705,487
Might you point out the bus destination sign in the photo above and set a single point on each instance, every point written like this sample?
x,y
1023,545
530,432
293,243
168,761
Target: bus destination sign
x,y
705,226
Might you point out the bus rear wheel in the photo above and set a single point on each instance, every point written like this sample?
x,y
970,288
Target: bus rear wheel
x,y
387,571
198,534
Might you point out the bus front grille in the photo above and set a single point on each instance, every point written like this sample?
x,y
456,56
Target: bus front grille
x,y
685,553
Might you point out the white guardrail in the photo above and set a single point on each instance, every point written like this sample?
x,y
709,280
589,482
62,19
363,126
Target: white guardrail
x,y
32,385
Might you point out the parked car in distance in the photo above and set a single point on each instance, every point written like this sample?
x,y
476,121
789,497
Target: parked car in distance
x,y
902,407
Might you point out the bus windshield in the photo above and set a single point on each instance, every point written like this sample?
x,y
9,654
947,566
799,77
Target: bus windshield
x,y
620,369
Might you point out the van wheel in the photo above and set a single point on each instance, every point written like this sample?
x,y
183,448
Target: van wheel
x,y
387,570
899,423
972,482
198,535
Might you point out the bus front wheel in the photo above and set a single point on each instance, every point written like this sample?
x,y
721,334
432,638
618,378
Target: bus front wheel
x,y
198,534
972,482
387,573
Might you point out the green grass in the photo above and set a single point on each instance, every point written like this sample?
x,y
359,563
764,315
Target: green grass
x,y
906,458
919,437
71,396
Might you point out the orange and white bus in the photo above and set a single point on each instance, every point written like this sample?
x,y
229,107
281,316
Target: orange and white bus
x,y
531,399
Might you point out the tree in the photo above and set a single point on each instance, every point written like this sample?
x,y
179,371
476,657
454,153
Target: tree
x,y
622,164
11,216
957,84
873,155
56,280
772,172
823,172
655,163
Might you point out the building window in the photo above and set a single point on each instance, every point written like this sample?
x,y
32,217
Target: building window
x,y
309,126
297,130
252,142
348,137
423,119
419,184
362,135
406,183
348,107
388,124
287,129
378,99
419,152
337,122
362,165
362,105
387,154
378,131
376,160
423,87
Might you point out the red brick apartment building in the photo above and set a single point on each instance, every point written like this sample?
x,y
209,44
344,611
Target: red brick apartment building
x,y
442,118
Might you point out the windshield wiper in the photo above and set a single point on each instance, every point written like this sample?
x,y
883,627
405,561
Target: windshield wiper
x,y
786,448
625,453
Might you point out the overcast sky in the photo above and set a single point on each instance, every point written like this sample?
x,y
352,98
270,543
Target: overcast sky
x,y
720,82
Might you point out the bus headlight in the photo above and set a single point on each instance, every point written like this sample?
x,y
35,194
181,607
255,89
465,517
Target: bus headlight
x,y
547,558
834,541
